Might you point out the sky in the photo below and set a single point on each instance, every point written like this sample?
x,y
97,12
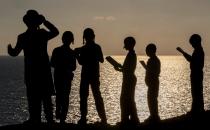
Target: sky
x,y
167,23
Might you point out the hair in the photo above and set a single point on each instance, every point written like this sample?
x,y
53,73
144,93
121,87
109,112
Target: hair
x,y
130,40
88,34
68,36
151,48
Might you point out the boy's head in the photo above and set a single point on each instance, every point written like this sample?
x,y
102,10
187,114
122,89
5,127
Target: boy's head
x,y
68,38
129,43
151,49
195,40
88,34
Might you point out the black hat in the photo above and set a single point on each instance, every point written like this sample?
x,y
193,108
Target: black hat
x,y
33,18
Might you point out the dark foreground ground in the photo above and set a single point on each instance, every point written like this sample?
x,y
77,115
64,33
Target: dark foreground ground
x,y
186,122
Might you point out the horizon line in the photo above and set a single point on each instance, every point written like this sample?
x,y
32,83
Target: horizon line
x,y
115,55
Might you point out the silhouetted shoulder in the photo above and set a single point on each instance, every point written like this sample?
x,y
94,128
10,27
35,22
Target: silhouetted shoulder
x,y
23,36
92,46
132,54
56,49
97,45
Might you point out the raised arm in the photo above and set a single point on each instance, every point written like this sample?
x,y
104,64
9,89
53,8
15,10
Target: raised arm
x,y
187,56
53,31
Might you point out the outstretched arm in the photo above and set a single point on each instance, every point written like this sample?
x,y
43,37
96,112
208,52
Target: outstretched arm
x,y
187,56
117,66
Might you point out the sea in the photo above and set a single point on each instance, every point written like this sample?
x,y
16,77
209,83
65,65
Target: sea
x,y
174,94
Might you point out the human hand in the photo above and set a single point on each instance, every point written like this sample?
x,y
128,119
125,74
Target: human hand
x,y
179,49
117,68
42,18
9,48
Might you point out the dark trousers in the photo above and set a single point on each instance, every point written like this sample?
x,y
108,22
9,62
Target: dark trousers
x,y
84,92
63,88
127,101
37,97
152,98
197,93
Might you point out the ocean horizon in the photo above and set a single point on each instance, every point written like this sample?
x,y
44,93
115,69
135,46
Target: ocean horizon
x,y
174,93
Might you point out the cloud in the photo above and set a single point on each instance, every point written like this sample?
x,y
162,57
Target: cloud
x,y
104,18
99,18
110,18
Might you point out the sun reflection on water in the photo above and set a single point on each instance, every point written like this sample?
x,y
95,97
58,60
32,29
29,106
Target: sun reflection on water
x,y
174,93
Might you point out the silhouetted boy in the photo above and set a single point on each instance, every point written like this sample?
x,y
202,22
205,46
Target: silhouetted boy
x,y
196,76
152,81
38,77
127,100
64,61
89,57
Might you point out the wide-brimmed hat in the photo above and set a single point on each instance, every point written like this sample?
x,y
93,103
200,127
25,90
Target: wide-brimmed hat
x,y
32,17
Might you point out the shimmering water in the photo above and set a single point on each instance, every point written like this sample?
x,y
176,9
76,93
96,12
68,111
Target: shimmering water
x,y
174,94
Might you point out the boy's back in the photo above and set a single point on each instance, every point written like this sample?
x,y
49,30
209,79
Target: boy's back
x,y
91,55
63,59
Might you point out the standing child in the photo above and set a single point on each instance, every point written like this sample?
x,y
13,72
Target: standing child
x,y
64,62
152,81
196,61
127,100
89,57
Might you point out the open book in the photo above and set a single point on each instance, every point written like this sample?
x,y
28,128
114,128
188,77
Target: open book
x,y
113,61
